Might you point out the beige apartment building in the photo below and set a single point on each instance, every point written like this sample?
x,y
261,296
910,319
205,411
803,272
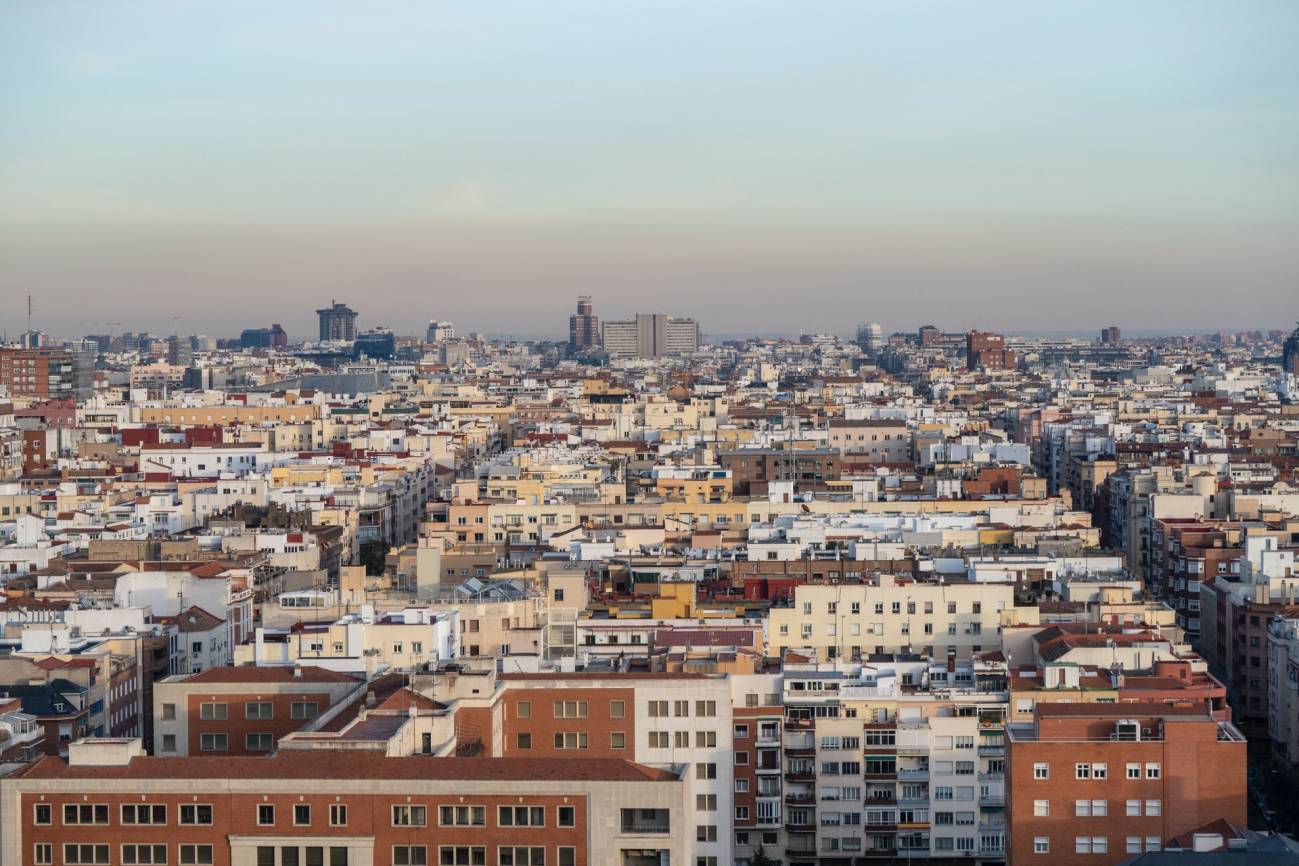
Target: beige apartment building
x,y
894,616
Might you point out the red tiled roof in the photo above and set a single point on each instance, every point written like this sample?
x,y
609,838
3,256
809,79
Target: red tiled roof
x,y
312,764
250,674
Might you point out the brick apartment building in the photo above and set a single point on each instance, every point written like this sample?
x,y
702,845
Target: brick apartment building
x,y
1099,783
42,373
984,351
752,469
243,710
108,803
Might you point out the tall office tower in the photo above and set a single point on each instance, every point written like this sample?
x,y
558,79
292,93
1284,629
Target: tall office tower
x,y
439,332
870,338
651,335
1290,354
583,326
1111,336
337,322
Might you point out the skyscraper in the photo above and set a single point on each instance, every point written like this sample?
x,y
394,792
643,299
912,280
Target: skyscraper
x,y
870,338
651,335
337,322
1111,336
583,326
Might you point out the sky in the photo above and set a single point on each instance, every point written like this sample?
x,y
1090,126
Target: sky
x,y
1020,165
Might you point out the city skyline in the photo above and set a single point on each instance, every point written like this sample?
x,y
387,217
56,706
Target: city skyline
x,y
1017,166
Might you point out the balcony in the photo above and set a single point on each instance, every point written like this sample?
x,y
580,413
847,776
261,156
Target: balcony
x,y
800,751
913,775
807,776
991,750
992,798
800,828
800,799
646,821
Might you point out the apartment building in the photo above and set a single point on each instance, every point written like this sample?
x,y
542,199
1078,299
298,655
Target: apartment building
x,y
245,710
1235,613
1100,783
109,803
875,440
662,720
892,615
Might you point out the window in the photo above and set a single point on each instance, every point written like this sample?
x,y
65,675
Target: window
x,y
570,740
301,815
304,710
1082,771
705,802
523,710
462,816
1041,771
43,813
617,709
741,732
1100,771
523,741
143,854
258,742
1154,843
658,740
169,742
212,712
1152,771
520,856
144,813
1082,808
1132,808
1100,808
658,709
338,814
85,855
1133,845
1133,771
43,854
705,739
570,709
196,855
681,709
168,712
1041,845
409,816
566,816
213,742
462,855
1153,808
617,740
706,709
85,813
567,855
1041,808
265,814
521,816
259,710
409,855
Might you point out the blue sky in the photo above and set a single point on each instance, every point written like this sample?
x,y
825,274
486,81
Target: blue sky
x,y
760,165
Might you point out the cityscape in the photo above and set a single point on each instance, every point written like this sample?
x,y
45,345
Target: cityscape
x,y
726,433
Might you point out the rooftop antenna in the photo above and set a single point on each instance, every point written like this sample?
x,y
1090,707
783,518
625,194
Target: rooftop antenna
x,y
29,313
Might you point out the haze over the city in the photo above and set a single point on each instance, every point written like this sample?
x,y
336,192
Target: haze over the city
x,y
761,166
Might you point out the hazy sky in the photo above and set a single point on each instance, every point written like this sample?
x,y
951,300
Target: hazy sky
x,y
759,165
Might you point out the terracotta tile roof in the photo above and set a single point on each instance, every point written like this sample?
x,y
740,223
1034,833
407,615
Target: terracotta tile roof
x,y
311,764
250,674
